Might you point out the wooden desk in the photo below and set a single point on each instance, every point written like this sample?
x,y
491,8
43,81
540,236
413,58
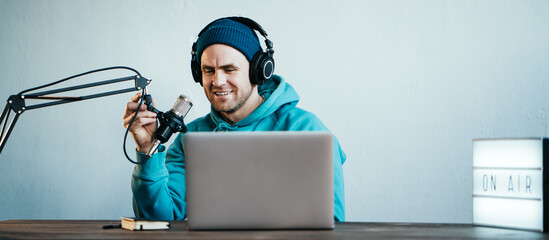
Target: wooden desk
x,y
92,229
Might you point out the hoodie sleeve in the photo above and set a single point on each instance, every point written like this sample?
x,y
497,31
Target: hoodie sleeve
x,y
158,185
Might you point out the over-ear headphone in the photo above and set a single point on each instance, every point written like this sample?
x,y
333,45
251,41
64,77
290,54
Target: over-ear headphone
x,y
262,64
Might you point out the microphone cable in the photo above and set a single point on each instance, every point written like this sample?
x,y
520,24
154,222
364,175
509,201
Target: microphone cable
x,y
80,75
96,71
128,130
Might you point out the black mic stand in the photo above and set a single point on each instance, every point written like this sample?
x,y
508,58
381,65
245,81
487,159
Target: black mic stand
x,y
16,103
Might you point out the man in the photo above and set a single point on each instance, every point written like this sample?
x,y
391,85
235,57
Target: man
x,y
223,54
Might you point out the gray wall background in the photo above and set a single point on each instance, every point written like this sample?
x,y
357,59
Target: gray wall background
x,y
405,85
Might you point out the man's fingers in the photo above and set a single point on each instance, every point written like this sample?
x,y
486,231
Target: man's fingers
x,y
131,107
136,97
143,118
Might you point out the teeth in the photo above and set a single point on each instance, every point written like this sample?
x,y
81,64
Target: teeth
x,y
222,93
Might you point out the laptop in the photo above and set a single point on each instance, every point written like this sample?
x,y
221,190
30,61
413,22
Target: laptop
x,y
259,180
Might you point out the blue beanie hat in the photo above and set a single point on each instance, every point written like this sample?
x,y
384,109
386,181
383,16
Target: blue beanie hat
x,y
232,33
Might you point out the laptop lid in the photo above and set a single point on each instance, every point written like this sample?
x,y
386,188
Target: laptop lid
x,y
259,180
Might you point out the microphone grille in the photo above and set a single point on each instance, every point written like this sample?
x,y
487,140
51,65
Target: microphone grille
x,y
182,105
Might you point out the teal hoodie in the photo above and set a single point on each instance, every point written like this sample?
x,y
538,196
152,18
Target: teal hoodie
x,y
159,184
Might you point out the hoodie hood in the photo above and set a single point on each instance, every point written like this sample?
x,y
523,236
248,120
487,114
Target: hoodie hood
x,y
276,92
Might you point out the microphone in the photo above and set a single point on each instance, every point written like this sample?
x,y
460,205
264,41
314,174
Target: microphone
x,y
171,122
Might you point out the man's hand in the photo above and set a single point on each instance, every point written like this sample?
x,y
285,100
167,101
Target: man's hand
x,y
143,127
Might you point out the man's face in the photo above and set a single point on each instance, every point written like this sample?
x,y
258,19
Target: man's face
x,y
225,77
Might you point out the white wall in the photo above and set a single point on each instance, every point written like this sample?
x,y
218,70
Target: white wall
x,y
405,85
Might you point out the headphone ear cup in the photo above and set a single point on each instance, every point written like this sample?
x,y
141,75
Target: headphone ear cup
x,y
197,73
195,66
261,68
267,66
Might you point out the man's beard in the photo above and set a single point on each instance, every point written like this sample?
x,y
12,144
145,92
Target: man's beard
x,y
233,106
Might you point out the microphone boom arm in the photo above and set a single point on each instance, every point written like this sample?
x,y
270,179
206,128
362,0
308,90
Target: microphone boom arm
x,y
16,103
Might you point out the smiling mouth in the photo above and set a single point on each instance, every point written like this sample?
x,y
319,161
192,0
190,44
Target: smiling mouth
x,y
223,93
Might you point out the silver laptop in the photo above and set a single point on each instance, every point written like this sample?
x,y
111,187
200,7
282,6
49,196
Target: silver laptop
x,y
259,180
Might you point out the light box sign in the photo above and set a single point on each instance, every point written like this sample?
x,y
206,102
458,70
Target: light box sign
x,y
508,183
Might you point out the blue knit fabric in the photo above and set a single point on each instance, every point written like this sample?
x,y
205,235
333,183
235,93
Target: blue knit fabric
x,y
232,33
